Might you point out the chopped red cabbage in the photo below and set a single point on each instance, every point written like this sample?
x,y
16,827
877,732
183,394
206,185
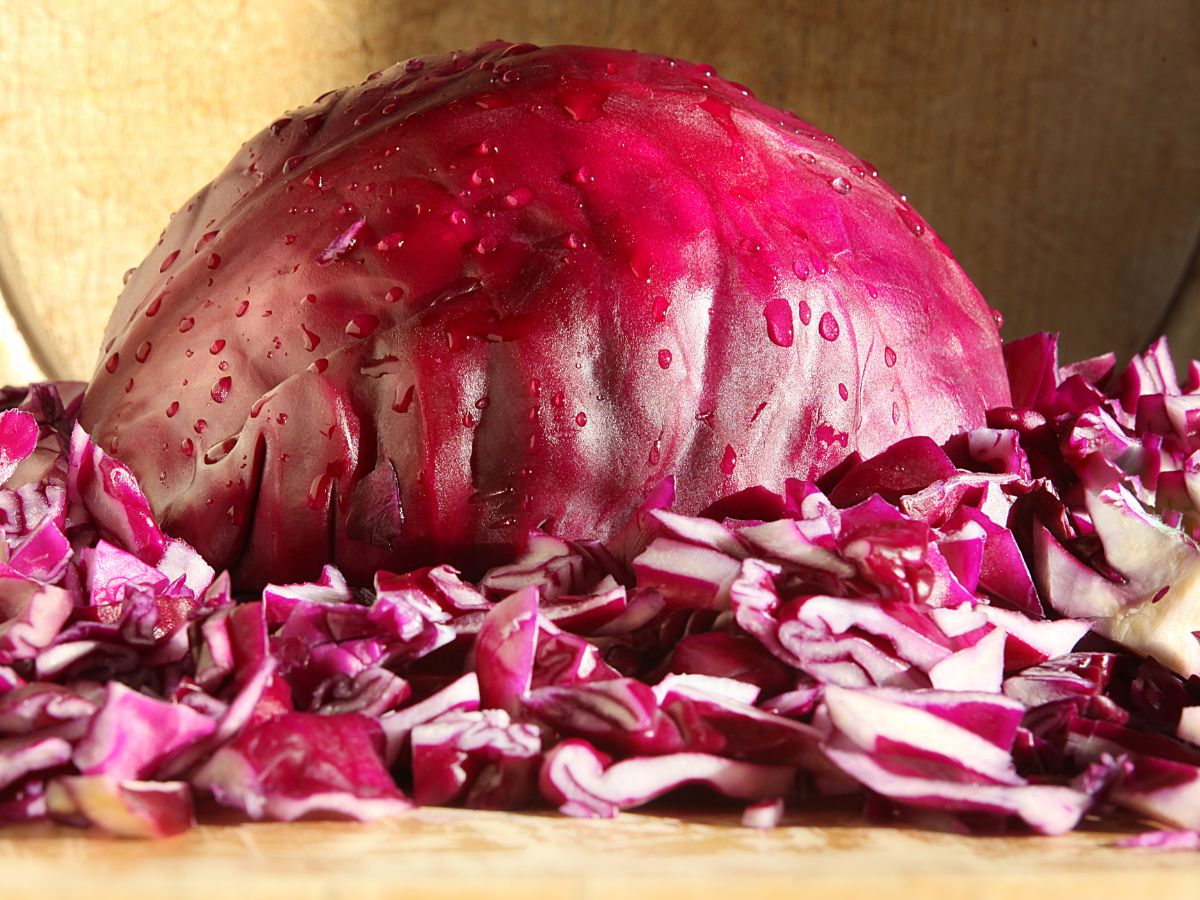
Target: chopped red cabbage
x,y
130,809
999,631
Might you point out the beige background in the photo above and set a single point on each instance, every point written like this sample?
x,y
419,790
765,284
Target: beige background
x,y
1054,144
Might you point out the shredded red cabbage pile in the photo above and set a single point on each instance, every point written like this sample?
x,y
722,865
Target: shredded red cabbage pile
x,y
998,632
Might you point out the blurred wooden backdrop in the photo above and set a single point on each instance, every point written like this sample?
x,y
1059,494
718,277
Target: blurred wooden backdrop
x,y
1053,143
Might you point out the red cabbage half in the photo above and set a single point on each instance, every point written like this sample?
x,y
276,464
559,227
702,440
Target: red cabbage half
x,y
490,292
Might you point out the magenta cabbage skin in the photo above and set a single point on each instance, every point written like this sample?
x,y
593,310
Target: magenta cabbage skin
x,y
518,287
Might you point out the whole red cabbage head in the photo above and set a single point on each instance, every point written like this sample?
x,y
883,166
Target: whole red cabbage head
x,y
487,292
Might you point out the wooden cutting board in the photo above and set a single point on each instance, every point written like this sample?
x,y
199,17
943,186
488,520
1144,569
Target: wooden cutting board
x,y
442,853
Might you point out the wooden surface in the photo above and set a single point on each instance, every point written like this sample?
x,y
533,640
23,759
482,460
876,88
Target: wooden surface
x,y
1052,144
457,854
